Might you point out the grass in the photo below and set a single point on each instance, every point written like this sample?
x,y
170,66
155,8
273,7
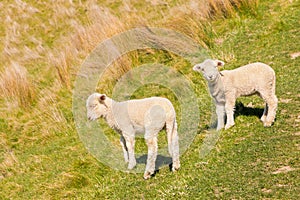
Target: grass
x,y
41,155
16,86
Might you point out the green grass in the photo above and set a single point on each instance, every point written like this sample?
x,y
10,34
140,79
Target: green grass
x,y
48,161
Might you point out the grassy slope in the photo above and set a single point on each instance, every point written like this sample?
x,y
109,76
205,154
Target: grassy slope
x,y
243,163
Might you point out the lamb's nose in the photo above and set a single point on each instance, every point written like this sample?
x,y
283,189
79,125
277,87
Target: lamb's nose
x,y
89,118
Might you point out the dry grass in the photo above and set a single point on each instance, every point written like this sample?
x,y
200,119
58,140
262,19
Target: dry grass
x,y
15,85
62,63
51,119
18,43
194,18
9,161
102,25
212,9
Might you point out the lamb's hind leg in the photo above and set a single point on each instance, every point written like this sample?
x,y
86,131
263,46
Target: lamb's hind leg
x,y
151,140
272,102
173,144
264,115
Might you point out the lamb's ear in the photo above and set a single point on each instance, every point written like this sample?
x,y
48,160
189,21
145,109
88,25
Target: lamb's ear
x,y
219,63
102,98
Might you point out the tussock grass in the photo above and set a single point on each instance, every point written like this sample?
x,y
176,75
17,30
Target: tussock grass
x,y
15,85
49,115
102,24
61,60
18,44
9,164
195,18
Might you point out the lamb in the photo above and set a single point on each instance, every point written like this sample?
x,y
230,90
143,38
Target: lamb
x,y
226,86
149,116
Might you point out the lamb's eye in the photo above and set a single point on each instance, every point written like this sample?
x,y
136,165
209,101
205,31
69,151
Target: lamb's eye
x,y
93,105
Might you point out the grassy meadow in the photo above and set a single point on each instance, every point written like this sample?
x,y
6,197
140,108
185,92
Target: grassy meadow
x,y
43,45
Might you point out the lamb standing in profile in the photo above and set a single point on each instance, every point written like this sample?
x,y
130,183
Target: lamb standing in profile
x,y
226,86
148,115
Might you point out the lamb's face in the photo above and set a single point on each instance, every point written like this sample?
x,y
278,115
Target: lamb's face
x,y
209,69
95,105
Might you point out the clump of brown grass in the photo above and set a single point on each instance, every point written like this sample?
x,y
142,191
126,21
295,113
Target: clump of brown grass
x,y
102,25
62,63
51,119
19,43
194,19
15,85
212,9
9,161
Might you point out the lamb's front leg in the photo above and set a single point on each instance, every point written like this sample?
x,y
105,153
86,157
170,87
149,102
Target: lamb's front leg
x,y
124,148
220,111
129,138
151,141
229,108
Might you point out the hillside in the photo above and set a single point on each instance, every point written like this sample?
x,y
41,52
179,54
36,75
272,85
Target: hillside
x,y
44,46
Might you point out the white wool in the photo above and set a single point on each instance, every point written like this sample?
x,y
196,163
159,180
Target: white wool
x,y
255,78
149,115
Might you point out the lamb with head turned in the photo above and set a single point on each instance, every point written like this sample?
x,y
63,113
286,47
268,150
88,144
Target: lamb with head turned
x,y
149,115
227,85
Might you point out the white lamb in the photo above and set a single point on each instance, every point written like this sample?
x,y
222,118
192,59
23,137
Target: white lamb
x,y
226,86
148,115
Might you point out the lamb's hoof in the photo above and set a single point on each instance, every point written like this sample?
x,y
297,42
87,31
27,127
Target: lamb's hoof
x,y
174,169
263,118
220,128
174,166
228,126
147,175
131,165
268,124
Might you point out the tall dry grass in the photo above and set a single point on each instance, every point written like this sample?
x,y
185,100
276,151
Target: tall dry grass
x,y
51,118
16,85
9,164
102,25
18,42
194,18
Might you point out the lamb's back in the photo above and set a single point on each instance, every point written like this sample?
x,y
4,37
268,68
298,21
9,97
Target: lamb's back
x,y
248,78
138,108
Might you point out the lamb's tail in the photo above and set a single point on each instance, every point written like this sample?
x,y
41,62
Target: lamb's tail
x,y
173,144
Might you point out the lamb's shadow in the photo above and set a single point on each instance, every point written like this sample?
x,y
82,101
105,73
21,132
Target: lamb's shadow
x,y
240,109
160,161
